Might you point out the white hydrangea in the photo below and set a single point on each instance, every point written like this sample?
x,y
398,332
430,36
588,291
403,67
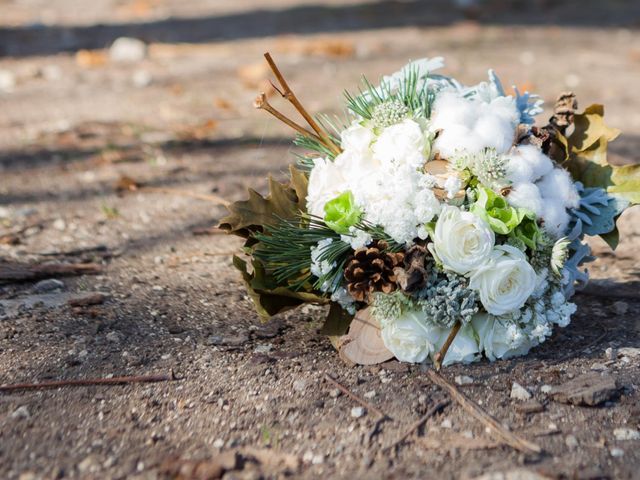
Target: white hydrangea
x,y
402,144
321,267
357,238
346,301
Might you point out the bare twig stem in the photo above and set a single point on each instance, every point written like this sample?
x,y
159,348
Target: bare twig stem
x,y
185,193
355,397
439,357
20,272
495,428
262,103
88,382
288,94
417,424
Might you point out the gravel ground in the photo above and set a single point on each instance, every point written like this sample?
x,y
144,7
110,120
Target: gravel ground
x,y
74,121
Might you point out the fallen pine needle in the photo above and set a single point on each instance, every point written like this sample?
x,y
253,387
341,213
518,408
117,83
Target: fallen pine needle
x,y
495,428
88,382
417,424
355,397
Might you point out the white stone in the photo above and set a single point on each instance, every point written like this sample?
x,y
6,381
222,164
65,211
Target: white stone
x,y
317,459
598,367
571,441
127,50
357,412
370,394
299,385
463,380
141,78
629,352
21,412
545,388
446,423
335,393
616,452
518,392
263,348
626,434
113,337
218,443
7,80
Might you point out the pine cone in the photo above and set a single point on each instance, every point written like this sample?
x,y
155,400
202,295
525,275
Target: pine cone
x,y
371,269
566,105
412,276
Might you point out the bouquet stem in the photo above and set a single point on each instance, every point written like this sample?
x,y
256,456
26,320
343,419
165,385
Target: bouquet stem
x,y
439,357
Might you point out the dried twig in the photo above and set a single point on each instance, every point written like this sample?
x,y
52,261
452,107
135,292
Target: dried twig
x,y
88,382
262,103
495,428
355,397
417,424
19,272
439,357
288,94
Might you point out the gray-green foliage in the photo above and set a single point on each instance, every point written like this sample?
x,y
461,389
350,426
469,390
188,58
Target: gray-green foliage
x,y
447,299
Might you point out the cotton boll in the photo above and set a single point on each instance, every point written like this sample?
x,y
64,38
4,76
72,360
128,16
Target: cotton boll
x,y
455,139
518,170
495,132
451,109
526,195
557,184
539,163
555,217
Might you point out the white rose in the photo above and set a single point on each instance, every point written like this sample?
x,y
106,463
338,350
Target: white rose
x,y
505,281
410,338
356,138
326,182
464,347
498,339
461,241
402,144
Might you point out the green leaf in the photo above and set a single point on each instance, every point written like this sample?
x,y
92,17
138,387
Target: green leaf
x,y
337,322
268,298
494,209
612,238
252,215
626,183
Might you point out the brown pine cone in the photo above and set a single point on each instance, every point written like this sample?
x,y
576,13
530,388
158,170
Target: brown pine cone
x,y
566,105
412,275
371,269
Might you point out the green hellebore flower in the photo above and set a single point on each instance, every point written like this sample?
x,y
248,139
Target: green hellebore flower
x,y
494,209
342,213
528,231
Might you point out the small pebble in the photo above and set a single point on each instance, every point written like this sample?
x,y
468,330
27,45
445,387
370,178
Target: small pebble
x,y
335,393
299,385
626,434
518,392
463,380
317,460
620,307
370,394
7,80
611,353
113,337
616,452
127,50
571,441
446,423
218,443
48,285
599,367
357,412
263,348
546,388
21,412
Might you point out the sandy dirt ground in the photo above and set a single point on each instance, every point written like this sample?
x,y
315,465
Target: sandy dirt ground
x,y
251,400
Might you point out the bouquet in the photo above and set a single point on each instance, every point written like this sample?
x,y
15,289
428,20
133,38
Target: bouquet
x,y
435,219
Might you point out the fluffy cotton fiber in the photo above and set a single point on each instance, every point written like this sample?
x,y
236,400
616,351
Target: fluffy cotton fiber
x,y
472,125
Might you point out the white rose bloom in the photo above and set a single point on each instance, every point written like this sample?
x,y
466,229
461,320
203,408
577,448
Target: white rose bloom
x,y
410,338
505,281
356,138
326,182
464,347
401,144
500,340
461,241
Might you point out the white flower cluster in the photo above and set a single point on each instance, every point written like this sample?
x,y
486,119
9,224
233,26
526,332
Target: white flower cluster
x,y
386,167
